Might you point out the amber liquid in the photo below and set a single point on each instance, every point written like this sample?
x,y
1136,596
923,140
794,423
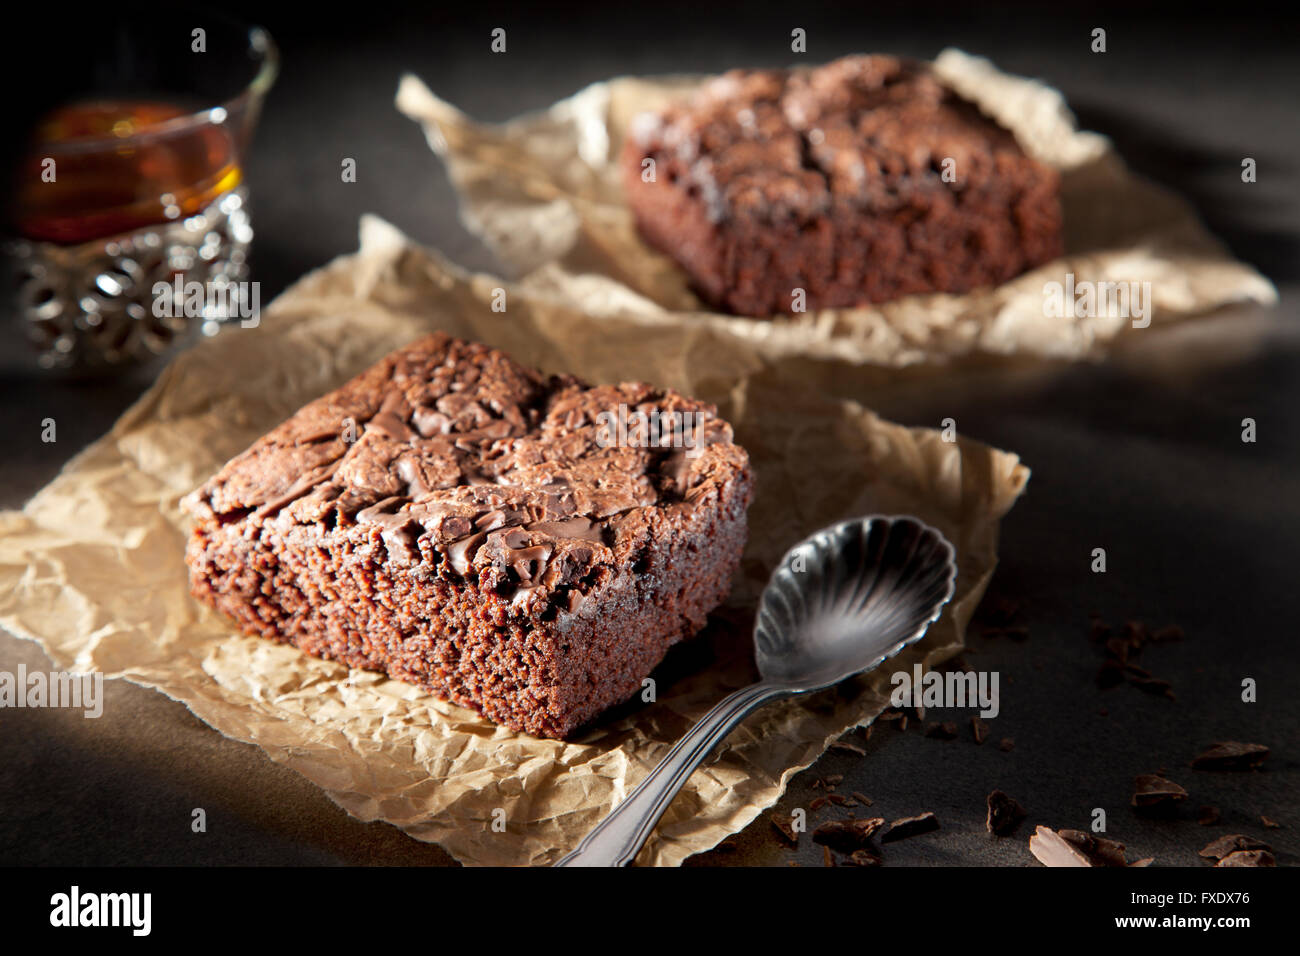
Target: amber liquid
x,y
111,190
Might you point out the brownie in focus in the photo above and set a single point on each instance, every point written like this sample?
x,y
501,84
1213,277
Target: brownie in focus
x,y
465,524
832,180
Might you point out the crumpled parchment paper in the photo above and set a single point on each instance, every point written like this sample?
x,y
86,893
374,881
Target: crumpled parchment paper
x,y
543,192
93,568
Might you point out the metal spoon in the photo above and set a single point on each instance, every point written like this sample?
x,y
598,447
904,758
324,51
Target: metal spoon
x,y
838,604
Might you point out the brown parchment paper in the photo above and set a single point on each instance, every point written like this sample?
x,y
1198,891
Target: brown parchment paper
x,y
93,569
543,192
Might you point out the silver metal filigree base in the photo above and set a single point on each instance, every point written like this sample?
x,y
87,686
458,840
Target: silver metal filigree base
x,y
94,305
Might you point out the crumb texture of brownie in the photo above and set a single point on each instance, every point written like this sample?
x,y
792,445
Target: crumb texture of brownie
x,y
524,545
857,182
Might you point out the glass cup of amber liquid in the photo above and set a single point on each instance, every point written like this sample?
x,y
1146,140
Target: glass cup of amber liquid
x,y
129,229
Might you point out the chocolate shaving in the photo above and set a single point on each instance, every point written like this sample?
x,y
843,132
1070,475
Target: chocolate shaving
x,y
1004,814
979,729
1007,745
1076,848
1052,849
1208,816
847,835
910,826
784,827
1230,755
1153,685
1120,650
1270,823
1248,858
1152,793
863,858
847,747
1231,843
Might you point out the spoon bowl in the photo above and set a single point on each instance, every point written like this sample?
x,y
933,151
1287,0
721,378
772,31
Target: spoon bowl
x,y
848,597
839,603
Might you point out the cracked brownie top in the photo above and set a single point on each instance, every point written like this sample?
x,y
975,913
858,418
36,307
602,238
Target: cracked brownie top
x,y
863,131
468,465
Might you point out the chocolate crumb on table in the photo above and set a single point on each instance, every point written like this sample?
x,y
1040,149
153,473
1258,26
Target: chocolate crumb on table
x,y
1248,858
1058,848
1121,650
784,827
832,181
847,835
1004,814
847,747
863,857
1230,755
1208,816
1153,685
910,826
1153,794
1232,843
482,537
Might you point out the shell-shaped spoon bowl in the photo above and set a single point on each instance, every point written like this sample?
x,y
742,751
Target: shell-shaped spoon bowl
x,y
839,603
850,596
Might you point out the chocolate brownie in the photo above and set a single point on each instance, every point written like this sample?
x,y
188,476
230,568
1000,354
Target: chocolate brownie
x,y
857,182
524,545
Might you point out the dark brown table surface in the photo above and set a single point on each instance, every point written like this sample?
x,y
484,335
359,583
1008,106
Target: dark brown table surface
x,y
1140,454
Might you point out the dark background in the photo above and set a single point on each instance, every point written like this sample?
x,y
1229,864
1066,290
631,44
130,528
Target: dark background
x,y
1140,454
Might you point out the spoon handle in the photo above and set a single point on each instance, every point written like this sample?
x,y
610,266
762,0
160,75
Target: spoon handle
x,y
616,839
